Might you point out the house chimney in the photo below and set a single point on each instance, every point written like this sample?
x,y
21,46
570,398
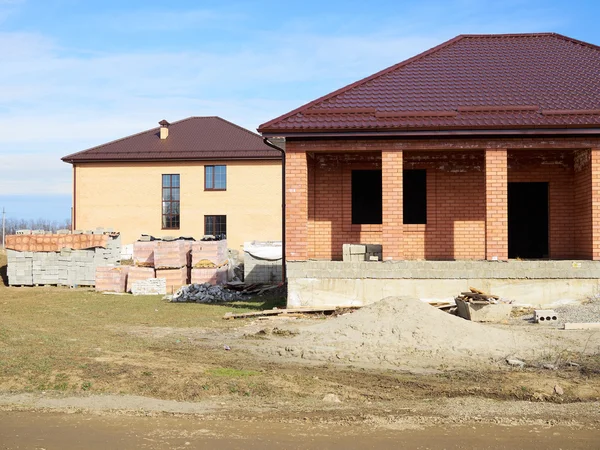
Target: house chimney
x,y
164,129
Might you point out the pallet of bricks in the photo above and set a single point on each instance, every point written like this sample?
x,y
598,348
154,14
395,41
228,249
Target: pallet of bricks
x,y
156,260
36,257
209,262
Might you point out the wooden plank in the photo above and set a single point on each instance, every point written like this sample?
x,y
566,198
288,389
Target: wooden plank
x,y
583,326
276,312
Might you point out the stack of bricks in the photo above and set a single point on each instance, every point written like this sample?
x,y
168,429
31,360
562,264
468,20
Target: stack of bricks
x,y
39,258
169,260
172,261
139,274
209,262
111,278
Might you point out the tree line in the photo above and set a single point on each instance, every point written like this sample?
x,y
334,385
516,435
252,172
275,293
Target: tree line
x,y
12,225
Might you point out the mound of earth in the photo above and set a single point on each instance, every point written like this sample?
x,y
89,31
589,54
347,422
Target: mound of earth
x,y
405,333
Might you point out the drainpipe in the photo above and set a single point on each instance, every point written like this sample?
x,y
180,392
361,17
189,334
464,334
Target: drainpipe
x,y
74,208
283,270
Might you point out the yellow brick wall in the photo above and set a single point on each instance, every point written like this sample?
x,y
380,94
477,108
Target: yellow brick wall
x,y
127,197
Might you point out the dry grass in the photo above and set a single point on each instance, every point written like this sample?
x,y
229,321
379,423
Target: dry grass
x,y
77,340
54,338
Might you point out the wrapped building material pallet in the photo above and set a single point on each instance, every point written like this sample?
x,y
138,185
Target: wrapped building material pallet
x,y
143,253
212,275
172,254
209,253
139,274
175,278
111,279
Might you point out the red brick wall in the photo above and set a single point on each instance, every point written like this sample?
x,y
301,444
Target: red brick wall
x,y
296,208
455,208
582,211
456,201
556,169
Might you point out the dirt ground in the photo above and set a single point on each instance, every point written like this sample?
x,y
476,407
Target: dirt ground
x,y
75,350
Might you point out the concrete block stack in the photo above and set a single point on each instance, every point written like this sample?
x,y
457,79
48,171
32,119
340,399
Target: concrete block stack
x,y
39,258
362,252
111,278
209,262
20,268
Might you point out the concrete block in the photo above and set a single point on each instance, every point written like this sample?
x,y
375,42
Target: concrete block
x,y
545,316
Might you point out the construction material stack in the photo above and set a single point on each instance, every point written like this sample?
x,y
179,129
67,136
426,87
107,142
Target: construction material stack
x,y
111,278
62,258
172,262
209,262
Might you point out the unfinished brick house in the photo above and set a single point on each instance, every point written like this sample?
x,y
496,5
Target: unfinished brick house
x,y
486,147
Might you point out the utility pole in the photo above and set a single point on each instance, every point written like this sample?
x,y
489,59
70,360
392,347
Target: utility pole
x,y
3,227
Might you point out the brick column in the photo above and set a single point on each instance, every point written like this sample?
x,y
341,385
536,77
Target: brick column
x,y
392,227
496,204
296,205
595,202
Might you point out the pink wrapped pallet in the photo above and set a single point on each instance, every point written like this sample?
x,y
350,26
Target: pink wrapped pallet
x,y
212,275
209,253
176,278
143,253
171,254
111,279
137,274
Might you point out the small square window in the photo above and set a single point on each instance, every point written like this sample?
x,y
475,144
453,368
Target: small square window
x,y
215,178
215,226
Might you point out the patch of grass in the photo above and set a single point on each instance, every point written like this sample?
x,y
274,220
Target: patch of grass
x,y
228,372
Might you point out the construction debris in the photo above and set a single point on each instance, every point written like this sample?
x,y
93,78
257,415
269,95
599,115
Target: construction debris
x,y
476,295
278,312
206,293
479,306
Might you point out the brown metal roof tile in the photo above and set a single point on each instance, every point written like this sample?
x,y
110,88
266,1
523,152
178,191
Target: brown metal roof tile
x,y
194,138
470,82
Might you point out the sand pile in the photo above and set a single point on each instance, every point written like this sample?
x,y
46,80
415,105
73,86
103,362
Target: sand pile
x,y
406,333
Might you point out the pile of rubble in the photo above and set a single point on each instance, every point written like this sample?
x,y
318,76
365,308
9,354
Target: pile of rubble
x,y
206,293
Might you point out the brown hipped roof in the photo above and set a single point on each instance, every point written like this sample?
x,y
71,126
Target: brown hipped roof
x,y
516,81
195,138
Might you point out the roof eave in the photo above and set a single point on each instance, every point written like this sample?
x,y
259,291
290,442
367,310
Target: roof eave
x,y
249,158
434,133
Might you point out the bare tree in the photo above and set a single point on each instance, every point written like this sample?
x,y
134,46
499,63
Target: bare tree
x,y
12,225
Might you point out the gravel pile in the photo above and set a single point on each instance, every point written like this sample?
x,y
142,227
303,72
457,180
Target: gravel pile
x,y
587,312
574,313
206,293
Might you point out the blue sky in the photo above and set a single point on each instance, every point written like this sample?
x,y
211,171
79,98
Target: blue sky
x,y
78,73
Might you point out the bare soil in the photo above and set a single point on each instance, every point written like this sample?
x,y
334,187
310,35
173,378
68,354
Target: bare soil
x,y
75,350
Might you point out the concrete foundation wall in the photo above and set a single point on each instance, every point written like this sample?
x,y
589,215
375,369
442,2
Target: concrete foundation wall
x,y
333,283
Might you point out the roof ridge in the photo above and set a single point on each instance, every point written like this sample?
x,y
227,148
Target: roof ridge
x,y
362,81
65,158
241,128
546,33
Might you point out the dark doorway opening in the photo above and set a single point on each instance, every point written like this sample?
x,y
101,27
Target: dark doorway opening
x,y
366,197
528,220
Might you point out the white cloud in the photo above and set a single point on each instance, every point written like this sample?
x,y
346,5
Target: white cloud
x,y
56,100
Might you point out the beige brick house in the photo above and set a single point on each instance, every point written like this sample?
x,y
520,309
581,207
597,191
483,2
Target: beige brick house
x,y
197,176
